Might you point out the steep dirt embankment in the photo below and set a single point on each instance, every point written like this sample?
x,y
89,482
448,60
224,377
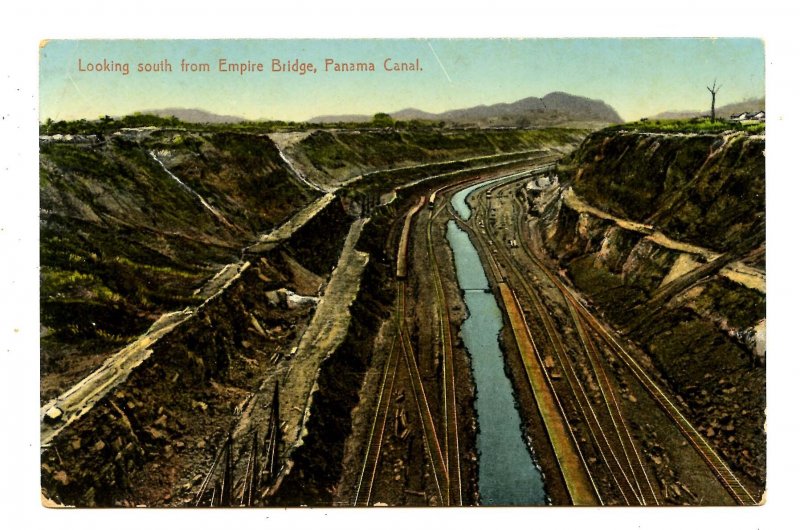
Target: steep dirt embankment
x,y
133,224
150,440
132,227
702,325
318,462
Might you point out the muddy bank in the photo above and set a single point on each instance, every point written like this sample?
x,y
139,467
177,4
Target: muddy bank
x,y
533,426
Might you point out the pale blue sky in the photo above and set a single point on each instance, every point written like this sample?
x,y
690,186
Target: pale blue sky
x,y
637,77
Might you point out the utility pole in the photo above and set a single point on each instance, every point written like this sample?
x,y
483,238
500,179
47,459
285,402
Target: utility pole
x,y
713,89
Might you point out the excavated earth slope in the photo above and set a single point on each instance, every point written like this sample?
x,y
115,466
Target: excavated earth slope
x,y
665,235
182,271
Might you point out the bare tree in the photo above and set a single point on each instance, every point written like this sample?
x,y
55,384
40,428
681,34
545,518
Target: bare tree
x,y
713,89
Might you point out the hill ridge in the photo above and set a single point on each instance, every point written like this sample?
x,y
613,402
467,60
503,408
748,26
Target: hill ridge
x,y
552,109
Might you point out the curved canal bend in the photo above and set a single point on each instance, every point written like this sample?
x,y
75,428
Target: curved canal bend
x,y
506,473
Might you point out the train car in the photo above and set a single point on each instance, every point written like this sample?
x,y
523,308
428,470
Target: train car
x,y
401,256
402,249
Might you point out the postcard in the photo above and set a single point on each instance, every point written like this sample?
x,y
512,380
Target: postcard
x,y
416,272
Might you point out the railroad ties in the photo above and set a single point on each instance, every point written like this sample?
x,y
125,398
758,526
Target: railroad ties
x,y
220,488
582,317
444,460
430,438
623,457
740,494
606,428
366,478
452,447
571,462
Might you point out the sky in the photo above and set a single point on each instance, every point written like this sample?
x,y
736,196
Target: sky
x,y
638,77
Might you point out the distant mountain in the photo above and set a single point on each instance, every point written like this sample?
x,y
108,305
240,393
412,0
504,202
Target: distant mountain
x,y
556,108
747,105
414,114
194,115
334,118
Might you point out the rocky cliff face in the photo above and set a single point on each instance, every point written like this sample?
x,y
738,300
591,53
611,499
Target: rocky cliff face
x,y
665,236
702,189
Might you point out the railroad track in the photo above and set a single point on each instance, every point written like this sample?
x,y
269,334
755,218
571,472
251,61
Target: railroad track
x,y
739,493
449,405
579,483
366,478
445,458
452,452
609,452
608,440
431,441
631,453
572,464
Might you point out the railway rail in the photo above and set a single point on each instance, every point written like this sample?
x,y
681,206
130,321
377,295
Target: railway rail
x,y
431,440
402,250
572,464
452,450
608,432
369,469
630,452
584,405
740,494
449,402
580,398
579,483
583,317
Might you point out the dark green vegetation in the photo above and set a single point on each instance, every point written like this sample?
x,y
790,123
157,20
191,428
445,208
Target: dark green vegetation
x,y
692,125
108,124
703,189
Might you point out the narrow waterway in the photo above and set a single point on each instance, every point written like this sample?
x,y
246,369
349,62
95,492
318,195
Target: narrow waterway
x,y
506,473
459,200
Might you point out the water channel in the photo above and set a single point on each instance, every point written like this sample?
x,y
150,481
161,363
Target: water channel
x,y
507,475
